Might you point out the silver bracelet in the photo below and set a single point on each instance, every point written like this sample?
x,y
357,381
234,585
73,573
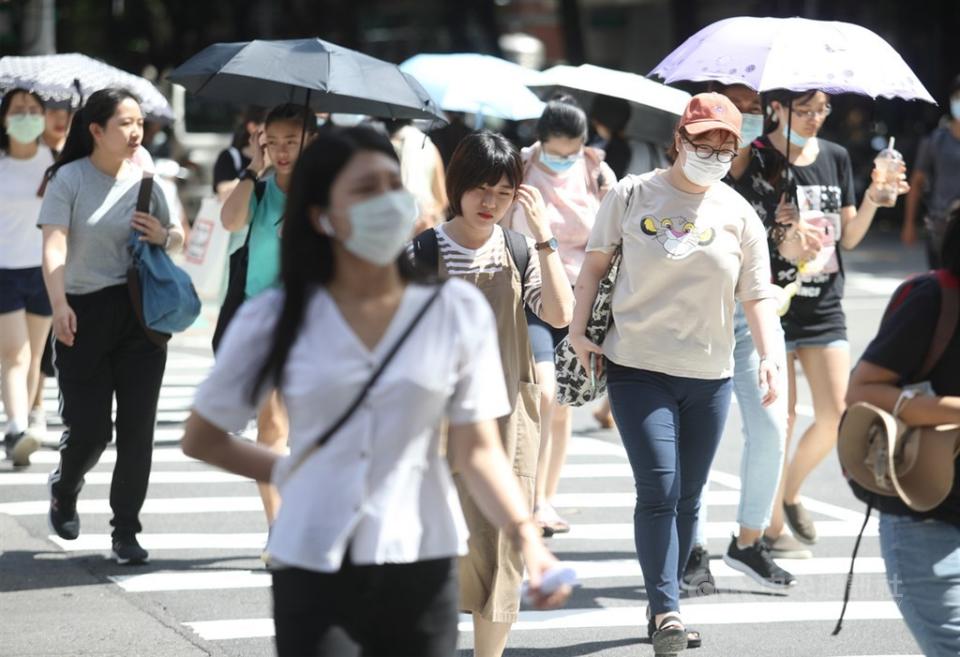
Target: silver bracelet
x,y
770,360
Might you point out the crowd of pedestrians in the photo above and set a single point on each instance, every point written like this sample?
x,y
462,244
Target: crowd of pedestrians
x,y
401,305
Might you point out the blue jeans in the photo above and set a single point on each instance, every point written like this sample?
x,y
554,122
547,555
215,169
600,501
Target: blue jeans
x,y
670,427
922,558
764,436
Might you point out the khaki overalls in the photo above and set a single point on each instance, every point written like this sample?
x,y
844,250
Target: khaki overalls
x,y
491,574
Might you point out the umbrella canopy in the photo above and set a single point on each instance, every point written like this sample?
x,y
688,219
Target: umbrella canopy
x,y
323,75
793,53
655,107
72,77
477,84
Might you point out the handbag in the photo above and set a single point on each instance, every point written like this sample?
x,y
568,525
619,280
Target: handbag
x,y
575,386
236,280
163,297
300,459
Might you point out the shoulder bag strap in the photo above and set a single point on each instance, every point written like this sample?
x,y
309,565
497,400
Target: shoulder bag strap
x,y
336,426
426,249
517,247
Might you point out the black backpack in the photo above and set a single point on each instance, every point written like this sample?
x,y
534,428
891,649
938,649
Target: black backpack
x,y
426,252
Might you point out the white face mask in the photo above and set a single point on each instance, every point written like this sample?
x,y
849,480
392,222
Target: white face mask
x,y
703,172
380,226
25,128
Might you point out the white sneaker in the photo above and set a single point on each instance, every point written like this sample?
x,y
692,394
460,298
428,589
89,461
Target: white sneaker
x,y
38,420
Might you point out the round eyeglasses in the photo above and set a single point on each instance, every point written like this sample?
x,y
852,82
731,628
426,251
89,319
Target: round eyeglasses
x,y
705,152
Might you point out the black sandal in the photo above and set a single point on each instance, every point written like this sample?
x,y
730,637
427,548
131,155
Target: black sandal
x,y
694,640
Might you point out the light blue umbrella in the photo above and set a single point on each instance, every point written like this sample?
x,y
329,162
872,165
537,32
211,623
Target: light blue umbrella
x,y
477,84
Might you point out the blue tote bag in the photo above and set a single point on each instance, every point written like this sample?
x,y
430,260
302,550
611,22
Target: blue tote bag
x,y
163,295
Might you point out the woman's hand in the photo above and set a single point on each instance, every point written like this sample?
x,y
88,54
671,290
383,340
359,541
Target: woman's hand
x,y
787,214
583,347
769,380
878,181
64,323
531,201
258,147
150,228
538,560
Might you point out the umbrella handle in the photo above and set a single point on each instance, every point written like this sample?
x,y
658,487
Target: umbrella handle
x,y
306,118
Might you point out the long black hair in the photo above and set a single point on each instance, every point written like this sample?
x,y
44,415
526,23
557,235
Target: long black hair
x,y
5,109
306,255
99,108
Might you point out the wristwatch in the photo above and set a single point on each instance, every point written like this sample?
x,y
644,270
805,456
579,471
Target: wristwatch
x,y
248,174
551,244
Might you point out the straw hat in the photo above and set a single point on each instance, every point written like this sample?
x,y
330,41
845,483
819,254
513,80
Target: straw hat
x,y
887,457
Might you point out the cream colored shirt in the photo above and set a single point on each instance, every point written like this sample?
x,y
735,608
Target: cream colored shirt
x,y
687,260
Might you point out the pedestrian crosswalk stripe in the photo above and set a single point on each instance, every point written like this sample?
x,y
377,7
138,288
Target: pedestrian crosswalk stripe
x,y
585,532
104,478
586,570
624,531
152,506
161,455
567,619
171,541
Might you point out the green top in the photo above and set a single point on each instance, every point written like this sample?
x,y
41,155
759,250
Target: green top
x,y
263,266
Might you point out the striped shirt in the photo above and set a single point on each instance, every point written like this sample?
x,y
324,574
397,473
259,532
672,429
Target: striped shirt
x,y
490,259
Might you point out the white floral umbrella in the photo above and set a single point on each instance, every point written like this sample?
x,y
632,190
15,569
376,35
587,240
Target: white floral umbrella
x,y
72,77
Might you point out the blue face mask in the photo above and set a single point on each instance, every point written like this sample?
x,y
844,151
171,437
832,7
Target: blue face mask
x,y
955,108
559,164
795,139
751,128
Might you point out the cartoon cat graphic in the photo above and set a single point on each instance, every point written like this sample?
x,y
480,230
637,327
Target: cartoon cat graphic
x,y
678,236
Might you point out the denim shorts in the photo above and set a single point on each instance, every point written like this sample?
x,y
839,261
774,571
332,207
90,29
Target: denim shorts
x,y
543,338
23,289
824,342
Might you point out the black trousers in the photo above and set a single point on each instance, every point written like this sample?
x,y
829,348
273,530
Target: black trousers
x,y
111,356
395,610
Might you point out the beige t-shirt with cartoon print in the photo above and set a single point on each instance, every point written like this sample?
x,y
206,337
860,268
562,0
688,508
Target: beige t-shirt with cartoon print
x,y
687,260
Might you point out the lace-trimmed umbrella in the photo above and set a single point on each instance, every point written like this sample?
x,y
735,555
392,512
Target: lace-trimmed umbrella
x,y
72,77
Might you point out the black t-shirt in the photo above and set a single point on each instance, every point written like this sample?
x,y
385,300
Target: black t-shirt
x,y
225,169
822,189
618,156
901,346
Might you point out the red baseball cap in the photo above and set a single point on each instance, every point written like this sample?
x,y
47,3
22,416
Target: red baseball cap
x,y
711,111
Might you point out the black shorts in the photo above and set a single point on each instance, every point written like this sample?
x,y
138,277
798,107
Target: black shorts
x,y
23,289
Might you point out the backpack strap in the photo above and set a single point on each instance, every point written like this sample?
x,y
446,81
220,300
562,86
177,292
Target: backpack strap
x,y
517,246
259,189
947,320
426,250
946,327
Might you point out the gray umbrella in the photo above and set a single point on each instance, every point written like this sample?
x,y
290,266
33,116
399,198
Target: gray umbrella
x,y
323,75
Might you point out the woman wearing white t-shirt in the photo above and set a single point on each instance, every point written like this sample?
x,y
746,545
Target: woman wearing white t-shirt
x,y
692,247
364,546
24,307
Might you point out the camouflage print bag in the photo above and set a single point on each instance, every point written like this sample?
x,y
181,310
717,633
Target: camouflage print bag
x,y
573,381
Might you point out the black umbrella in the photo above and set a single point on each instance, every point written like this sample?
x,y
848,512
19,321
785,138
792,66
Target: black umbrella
x,y
312,72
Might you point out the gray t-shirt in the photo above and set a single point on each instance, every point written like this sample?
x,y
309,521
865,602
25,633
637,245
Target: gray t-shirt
x,y
939,160
97,210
